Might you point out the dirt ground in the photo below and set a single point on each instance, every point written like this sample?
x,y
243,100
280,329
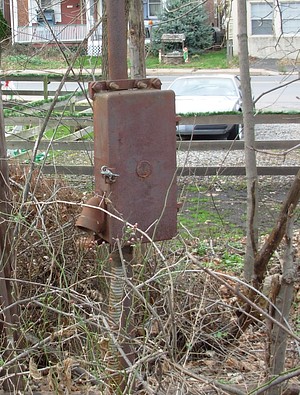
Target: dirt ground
x,y
227,197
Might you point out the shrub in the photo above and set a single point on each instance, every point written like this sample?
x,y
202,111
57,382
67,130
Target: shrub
x,y
190,18
4,27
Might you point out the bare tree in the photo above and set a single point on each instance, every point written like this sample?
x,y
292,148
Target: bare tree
x,y
250,156
256,261
136,40
283,290
104,42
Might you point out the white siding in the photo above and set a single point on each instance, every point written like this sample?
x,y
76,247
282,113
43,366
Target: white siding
x,y
276,45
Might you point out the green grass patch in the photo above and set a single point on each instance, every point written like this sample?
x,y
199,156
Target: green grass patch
x,y
88,137
196,222
57,133
200,217
31,62
232,261
206,60
88,62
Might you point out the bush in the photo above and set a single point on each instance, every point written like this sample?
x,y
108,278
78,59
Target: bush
x,y
183,16
20,49
4,27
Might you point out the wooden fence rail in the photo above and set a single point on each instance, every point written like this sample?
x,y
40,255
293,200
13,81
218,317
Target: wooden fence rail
x,y
259,119
45,79
209,145
182,146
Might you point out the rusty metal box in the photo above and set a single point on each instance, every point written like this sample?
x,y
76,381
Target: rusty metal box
x,y
135,143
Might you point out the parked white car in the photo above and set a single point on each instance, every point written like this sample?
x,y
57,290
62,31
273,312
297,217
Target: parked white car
x,y
204,94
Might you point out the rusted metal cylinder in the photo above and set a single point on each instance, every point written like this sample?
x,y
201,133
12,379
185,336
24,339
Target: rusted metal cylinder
x,y
91,217
117,39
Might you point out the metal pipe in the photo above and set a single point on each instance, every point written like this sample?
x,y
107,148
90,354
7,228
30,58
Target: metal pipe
x,y
119,309
117,39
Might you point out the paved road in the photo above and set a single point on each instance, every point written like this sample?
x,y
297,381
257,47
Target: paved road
x,y
285,98
282,99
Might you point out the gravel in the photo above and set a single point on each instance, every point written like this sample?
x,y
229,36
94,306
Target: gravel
x,y
237,158
218,158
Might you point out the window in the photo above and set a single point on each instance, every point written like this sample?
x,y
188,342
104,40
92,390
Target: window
x,y
154,8
35,15
45,4
290,13
261,19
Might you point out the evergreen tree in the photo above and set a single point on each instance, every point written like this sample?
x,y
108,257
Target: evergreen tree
x,y
188,17
4,28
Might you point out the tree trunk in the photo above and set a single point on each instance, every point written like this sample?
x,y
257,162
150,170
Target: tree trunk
x,y
263,257
104,50
250,154
265,253
283,302
136,40
8,321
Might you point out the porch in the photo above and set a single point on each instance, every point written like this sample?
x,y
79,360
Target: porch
x,y
63,33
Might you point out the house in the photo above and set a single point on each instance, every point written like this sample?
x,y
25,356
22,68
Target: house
x,y
69,21
36,22
273,28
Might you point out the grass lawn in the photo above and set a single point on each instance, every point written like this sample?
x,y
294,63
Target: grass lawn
x,y
42,61
206,60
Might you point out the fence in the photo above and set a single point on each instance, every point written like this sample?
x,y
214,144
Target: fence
x,y
45,79
82,123
27,126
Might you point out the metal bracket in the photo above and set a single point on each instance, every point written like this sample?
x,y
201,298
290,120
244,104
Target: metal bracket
x,y
109,176
125,84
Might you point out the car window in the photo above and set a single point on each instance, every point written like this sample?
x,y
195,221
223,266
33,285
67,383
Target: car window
x,y
204,87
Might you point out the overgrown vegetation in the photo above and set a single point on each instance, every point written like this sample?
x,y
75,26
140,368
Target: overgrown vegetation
x,y
182,331
66,278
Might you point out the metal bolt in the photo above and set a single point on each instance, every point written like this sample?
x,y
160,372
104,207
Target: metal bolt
x,y
141,85
156,83
113,86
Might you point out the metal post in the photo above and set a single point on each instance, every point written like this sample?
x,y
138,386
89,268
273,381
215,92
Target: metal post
x,y
117,69
117,39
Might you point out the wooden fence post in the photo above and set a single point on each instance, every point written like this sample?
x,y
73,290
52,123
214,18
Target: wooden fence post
x,y
10,337
45,86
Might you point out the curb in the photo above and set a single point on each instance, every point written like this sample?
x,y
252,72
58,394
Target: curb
x,y
209,71
162,71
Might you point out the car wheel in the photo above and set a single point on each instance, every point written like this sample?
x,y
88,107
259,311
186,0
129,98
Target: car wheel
x,y
234,133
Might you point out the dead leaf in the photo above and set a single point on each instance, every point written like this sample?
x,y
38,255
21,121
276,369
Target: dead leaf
x,y
67,366
33,370
238,364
